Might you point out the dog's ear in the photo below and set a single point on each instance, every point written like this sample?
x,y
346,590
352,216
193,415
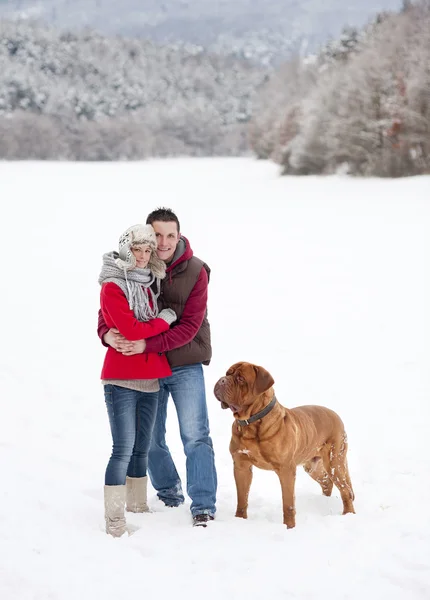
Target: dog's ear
x,y
263,380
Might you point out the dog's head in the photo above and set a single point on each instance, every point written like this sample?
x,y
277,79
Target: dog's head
x,y
241,386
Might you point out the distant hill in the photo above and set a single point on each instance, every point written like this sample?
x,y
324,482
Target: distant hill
x,y
93,97
266,30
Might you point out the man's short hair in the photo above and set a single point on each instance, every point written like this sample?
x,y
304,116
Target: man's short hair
x,y
163,214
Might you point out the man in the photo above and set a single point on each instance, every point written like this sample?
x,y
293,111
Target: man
x,y
187,346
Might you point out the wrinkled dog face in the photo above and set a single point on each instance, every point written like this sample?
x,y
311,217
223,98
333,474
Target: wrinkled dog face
x,y
242,384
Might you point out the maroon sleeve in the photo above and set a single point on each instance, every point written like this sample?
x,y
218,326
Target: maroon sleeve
x,y
190,321
102,328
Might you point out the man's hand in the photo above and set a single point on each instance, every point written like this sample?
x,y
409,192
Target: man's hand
x,y
134,348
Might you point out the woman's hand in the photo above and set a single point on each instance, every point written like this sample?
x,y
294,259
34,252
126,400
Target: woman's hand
x,y
134,347
118,342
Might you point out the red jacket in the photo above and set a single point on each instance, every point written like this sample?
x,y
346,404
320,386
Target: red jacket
x,y
185,330
117,313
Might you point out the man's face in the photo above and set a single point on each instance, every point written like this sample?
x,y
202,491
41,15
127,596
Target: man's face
x,y
168,236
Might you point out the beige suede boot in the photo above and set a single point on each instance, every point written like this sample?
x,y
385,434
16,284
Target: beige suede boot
x,y
114,509
137,494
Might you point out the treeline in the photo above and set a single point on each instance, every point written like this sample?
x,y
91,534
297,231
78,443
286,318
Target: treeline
x,y
362,106
83,96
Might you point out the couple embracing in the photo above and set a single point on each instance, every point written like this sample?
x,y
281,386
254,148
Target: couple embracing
x,y
153,319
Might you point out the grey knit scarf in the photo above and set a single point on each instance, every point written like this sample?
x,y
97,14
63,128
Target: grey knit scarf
x,y
135,284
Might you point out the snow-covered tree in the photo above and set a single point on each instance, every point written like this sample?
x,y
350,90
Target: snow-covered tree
x,y
367,112
83,82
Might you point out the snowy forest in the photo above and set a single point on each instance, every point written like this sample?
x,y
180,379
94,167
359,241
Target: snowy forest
x,y
361,105
84,96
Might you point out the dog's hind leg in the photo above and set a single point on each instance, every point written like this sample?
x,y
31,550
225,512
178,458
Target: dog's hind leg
x,y
339,472
315,468
348,478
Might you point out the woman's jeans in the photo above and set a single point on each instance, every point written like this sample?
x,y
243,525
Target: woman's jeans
x,y
131,417
186,385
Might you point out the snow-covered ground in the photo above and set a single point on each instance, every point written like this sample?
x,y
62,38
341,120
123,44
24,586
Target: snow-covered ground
x,y
324,281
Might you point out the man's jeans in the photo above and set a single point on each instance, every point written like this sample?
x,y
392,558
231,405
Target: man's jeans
x,y
187,388
131,417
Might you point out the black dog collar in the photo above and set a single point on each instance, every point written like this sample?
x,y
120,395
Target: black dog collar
x,y
259,415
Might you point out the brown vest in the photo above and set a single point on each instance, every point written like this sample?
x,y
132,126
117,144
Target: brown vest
x,y
175,290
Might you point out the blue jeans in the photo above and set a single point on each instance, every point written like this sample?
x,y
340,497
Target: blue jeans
x,y
131,417
187,388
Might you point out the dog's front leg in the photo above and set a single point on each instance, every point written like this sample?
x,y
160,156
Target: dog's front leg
x,y
287,477
243,479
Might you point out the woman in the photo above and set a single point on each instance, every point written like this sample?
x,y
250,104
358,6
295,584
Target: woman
x,y
130,281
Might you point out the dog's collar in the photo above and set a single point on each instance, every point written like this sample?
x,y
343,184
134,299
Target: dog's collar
x,y
259,415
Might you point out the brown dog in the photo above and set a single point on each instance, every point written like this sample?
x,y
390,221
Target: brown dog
x,y
275,438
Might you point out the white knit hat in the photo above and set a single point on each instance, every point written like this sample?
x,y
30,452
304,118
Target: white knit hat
x,y
134,236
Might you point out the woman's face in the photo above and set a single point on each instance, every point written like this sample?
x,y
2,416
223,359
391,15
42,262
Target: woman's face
x,y
142,254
